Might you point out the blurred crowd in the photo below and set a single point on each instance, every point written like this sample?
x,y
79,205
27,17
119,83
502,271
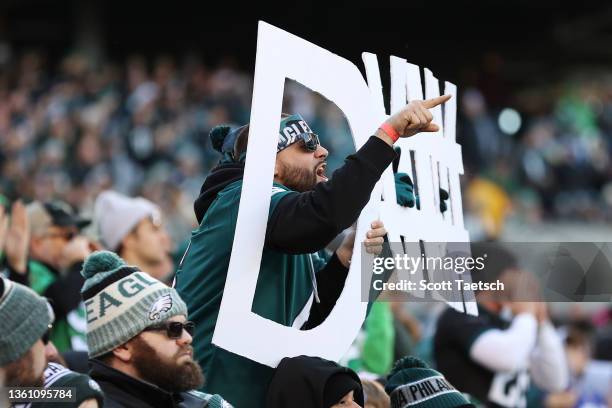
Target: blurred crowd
x,y
547,160
70,130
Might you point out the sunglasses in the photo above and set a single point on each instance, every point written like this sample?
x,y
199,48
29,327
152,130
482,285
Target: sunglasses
x,y
67,235
174,330
47,335
311,141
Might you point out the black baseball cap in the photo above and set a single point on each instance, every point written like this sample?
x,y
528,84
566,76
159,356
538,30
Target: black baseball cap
x,y
62,215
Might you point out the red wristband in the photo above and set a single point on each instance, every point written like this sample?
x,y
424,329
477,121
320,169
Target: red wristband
x,y
392,133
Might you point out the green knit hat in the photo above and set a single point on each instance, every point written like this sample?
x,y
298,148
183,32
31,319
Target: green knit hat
x,y
412,383
57,376
121,301
24,318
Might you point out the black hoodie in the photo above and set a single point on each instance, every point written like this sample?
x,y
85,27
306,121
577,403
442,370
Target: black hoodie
x,y
300,382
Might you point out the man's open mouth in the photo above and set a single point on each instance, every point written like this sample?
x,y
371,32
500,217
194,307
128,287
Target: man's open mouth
x,y
320,171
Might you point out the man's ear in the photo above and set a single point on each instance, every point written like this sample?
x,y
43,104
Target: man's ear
x,y
34,241
131,238
124,352
126,241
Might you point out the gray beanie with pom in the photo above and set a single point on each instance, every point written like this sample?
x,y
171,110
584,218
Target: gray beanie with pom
x,y
121,301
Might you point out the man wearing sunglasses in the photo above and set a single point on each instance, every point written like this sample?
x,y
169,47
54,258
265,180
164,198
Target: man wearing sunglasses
x,y
296,286
49,234
139,338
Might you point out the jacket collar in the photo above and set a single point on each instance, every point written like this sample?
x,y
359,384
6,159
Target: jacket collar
x,y
119,386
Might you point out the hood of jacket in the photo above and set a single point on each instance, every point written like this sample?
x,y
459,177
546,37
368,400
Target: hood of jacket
x,y
299,382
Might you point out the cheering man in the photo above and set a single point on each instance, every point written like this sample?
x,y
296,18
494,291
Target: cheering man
x,y
307,211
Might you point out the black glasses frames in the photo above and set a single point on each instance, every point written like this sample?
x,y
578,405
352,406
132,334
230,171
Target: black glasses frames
x,y
311,141
46,337
174,330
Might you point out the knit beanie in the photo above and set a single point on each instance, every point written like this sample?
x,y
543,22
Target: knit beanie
x,y
412,383
225,140
24,318
290,128
115,215
121,301
57,376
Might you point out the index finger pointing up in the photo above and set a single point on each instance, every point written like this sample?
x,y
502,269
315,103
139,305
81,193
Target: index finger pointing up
x,y
430,103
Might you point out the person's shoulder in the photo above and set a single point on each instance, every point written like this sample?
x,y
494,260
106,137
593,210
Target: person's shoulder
x,y
450,319
235,190
451,314
279,190
212,400
41,276
37,267
232,187
459,328
227,197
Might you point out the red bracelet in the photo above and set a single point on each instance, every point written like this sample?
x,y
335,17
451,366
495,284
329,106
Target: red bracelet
x,y
392,133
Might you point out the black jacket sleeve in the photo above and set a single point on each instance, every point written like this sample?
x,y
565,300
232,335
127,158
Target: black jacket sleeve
x,y
330,282
307,222
15,276
65,293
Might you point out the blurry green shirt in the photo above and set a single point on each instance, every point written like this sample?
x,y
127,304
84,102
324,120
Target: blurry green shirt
x,y
69,332
372,350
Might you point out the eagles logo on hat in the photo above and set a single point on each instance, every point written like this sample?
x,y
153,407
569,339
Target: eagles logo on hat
x,y
161,305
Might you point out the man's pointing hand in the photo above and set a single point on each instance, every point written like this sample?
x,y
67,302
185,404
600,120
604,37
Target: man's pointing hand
x,y
412,119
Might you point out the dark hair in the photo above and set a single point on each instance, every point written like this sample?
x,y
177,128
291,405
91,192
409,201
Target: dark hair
x,y
579,333
498,260
106,358
240,145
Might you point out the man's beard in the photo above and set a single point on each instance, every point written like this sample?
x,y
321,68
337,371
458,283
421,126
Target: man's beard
x,y
168,375
21,373
297,178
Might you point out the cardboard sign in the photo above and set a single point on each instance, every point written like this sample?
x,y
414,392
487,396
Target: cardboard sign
x,y
245,333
